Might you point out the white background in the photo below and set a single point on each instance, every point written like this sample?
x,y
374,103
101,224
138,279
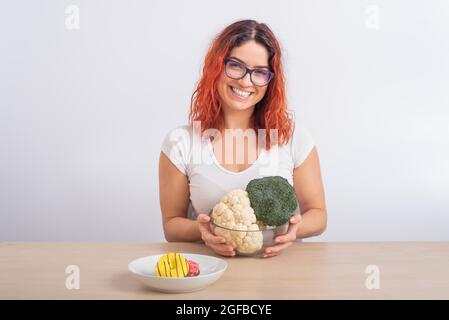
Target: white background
x,y
83,112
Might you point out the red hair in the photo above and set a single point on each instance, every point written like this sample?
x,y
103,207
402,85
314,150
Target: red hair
x,y
269,113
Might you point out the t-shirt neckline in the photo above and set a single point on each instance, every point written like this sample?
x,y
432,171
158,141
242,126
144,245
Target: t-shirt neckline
x,y
254,164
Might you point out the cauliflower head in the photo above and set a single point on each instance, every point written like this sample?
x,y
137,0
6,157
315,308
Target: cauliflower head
x,y
234,212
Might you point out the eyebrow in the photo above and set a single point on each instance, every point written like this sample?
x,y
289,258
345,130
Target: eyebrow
x,y
267,67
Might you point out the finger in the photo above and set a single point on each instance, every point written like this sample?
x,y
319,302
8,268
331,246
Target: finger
x,y
269,255
209,237
221,247
203,224
277,248
225,250
295,218
203,218
217,243
289,236
226,253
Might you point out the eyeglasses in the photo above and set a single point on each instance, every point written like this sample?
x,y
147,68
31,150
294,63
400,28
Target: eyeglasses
x,y
259,77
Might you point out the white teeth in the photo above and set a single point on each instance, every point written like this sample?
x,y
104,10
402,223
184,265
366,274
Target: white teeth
x,y
241,93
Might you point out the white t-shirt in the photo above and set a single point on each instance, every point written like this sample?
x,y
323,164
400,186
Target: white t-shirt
x,y
209,181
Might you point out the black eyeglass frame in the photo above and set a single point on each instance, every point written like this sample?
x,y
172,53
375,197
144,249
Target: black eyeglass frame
x,y
250,71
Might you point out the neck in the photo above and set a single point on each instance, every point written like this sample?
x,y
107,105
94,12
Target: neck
x,y
238,119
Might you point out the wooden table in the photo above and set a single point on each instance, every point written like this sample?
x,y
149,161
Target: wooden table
x,y
407,270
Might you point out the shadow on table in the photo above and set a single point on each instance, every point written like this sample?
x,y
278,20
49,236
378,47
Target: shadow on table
x,y
126,283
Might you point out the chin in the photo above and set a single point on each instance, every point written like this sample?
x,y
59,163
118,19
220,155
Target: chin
x,y
233,104
239,106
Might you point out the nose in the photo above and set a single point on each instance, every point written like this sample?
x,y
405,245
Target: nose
x,y
246,81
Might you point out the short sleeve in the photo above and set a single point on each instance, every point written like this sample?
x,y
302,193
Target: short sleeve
x,y
176,146
302,144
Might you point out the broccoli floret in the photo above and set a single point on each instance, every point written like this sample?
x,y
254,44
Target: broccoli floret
x,y
273,199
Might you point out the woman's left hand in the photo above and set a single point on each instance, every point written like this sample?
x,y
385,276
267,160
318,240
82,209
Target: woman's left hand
x,y
285,240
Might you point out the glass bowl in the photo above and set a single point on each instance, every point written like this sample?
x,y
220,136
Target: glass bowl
x,y
249,242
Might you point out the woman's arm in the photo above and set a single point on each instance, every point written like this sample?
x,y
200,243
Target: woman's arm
x,y
310,194
174,201
309,191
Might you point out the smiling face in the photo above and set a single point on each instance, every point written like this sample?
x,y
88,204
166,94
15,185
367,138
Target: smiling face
x,y
239,95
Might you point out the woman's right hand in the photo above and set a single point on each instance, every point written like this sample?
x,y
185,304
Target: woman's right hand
x,y
216,243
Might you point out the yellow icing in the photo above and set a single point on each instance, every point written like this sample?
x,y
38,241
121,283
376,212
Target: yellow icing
x,y
172,265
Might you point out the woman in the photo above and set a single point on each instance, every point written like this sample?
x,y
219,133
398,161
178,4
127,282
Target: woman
x,y
241,90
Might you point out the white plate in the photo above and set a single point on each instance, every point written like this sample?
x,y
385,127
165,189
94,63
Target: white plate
x,y
211,269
